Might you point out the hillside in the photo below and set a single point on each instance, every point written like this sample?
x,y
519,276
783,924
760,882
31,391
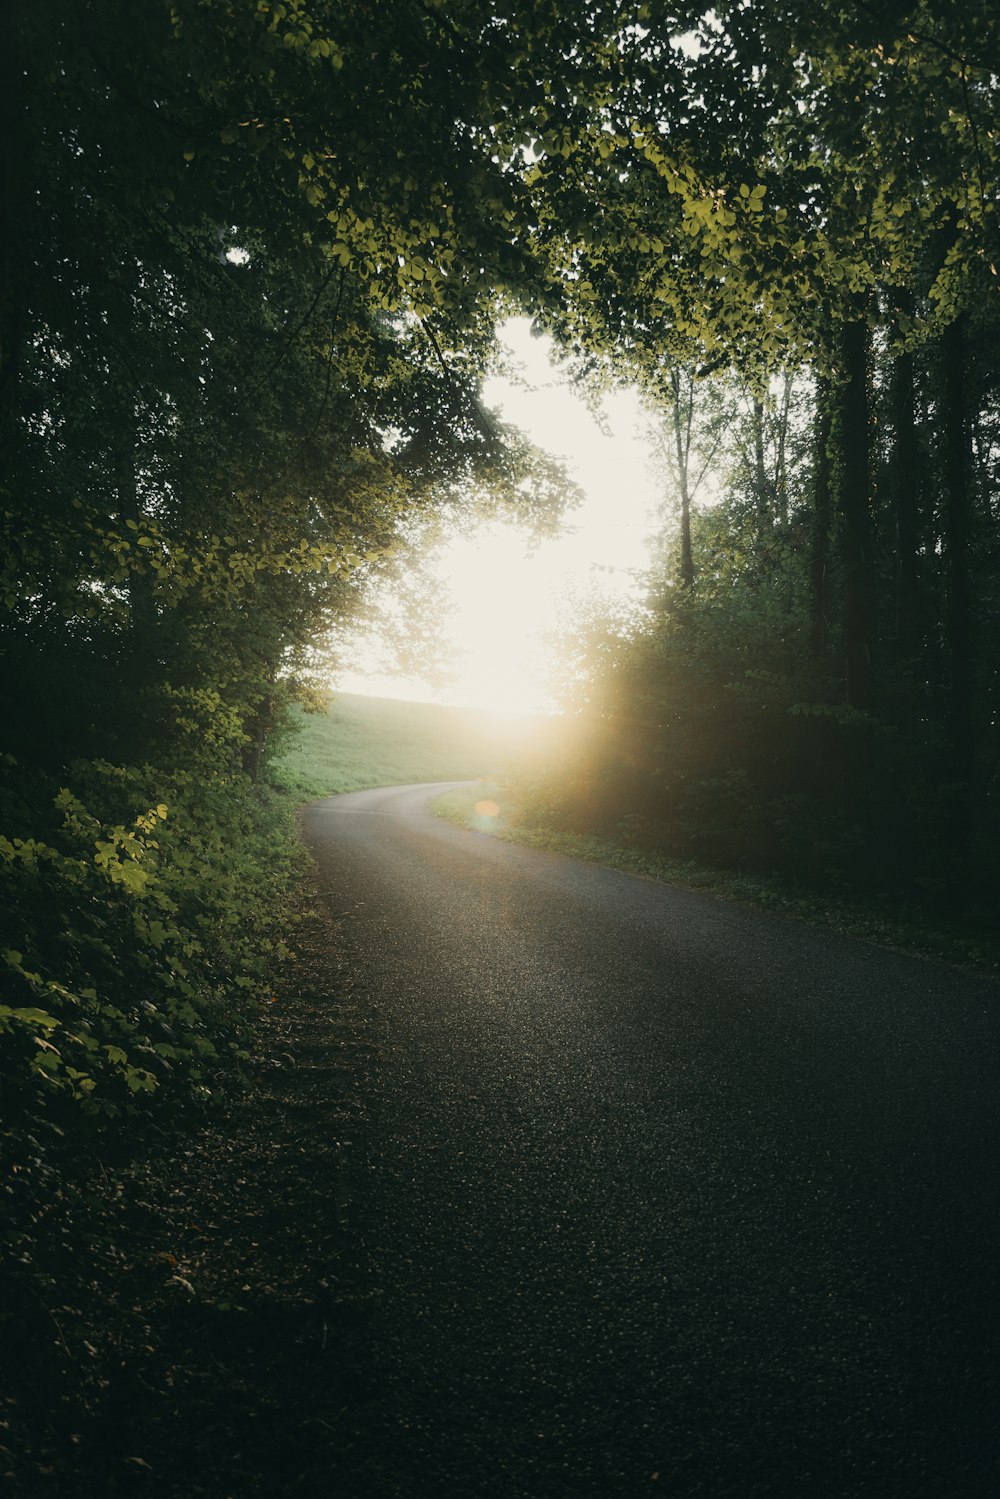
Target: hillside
x,y
368,741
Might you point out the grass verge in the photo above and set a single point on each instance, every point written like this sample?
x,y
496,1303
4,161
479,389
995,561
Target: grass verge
x,y
484,808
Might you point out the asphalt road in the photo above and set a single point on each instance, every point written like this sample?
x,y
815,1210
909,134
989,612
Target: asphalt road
x,y
663,1196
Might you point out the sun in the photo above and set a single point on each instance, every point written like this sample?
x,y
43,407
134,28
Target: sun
x,y
503,614
507,602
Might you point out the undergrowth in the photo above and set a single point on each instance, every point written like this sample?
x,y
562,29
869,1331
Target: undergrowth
x,y
143,914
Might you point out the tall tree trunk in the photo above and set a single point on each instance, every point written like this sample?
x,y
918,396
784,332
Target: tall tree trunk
x,y
141,595
257,729
956,468
906,499
780,451
760,484
822,522
13,148
906,502
854,476
682,420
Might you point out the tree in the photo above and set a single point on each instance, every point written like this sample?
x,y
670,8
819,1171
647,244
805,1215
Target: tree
x,y
281,374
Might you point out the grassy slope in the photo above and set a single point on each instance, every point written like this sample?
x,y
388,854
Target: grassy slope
x,y
368,741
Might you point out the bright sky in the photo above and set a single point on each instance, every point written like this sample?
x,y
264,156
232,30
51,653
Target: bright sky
x,y
504,601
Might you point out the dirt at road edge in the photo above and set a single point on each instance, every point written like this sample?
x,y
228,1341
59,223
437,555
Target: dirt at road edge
x,y
212,1341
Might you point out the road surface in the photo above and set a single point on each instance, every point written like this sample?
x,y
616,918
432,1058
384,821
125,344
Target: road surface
x,y
663,1196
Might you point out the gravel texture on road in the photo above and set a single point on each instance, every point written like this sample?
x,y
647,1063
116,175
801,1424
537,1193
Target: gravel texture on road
x,y
662,1195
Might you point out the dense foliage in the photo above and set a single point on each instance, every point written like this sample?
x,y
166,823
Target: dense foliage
x,y
735,719
787,234
252,259
227,398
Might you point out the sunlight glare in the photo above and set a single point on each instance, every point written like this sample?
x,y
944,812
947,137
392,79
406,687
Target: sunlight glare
x,y
508,600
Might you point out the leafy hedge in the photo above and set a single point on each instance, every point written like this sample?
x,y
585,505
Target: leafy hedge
x,y
142,914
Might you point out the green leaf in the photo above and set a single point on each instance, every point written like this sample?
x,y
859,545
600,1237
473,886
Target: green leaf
x,y
39,1019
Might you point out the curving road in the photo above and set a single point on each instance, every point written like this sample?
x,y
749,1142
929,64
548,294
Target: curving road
x,y
664,1196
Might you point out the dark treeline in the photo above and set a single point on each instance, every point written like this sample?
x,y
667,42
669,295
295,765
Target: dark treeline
x,y
811,688
796,261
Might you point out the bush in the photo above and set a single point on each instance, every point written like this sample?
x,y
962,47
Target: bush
x,y
142,913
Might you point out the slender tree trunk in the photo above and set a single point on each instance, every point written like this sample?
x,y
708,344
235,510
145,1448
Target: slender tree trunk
x,y
906,504
780,450
906,512
682,447
822,523
906,501
760,484
13,148
142,602
258,731
956,468
854,475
